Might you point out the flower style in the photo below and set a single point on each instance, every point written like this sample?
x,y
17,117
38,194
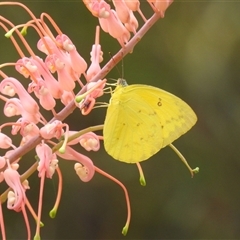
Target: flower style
x,y
54,80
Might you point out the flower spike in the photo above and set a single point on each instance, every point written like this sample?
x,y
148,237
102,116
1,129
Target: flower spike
x,y
48,91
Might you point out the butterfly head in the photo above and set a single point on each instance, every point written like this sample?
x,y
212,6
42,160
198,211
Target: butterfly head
x,y
122,82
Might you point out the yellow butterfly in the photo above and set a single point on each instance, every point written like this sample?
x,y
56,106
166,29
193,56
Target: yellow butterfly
x,y
142,119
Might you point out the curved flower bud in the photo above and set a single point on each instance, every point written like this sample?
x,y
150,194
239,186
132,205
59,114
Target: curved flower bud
x,y
65,63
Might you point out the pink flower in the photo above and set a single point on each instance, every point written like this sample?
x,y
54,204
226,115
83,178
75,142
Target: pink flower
x,y
14,107
64,59
11,86
16,199
71,154
65,79
41,72
47,160
27,129
87,100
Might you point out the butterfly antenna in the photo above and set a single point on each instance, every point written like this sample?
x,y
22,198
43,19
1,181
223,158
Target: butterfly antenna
x,y
122,69
112,57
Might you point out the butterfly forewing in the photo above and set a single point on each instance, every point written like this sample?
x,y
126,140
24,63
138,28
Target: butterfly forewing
x,y
135,132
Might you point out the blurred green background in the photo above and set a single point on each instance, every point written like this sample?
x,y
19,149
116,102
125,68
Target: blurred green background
x,y
194,53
